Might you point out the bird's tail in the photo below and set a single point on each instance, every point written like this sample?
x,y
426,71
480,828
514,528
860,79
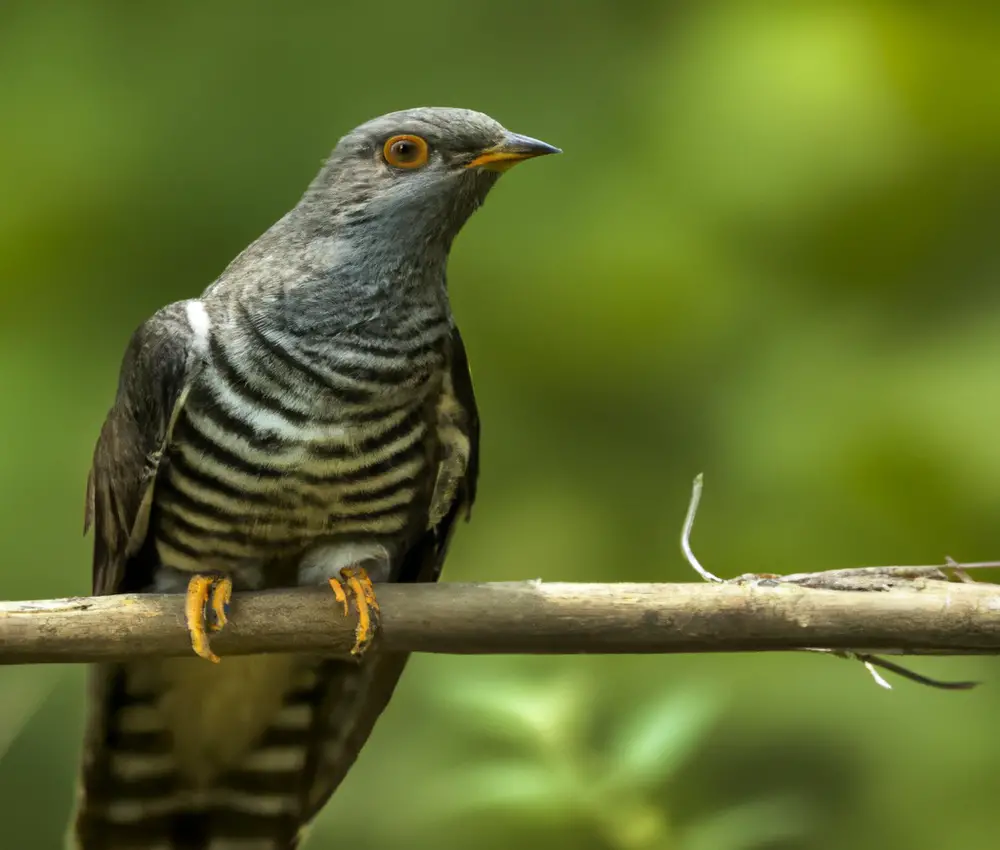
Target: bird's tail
x,y
132,798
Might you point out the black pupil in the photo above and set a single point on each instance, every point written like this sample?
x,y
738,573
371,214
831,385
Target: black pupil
x,y
404,149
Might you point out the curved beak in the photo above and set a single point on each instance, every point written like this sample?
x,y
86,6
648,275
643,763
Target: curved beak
x,y
513,149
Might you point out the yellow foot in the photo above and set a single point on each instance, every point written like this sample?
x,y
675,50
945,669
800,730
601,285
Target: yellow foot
x,y
205,610
355,580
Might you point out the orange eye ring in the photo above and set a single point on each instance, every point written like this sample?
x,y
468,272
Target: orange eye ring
x,y
405,151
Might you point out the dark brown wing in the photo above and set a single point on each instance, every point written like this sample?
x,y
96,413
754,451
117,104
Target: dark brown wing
x,y
461,380
458,472
154,377
356,694
155,374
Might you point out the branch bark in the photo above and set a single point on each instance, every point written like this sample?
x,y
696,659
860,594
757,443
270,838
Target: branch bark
x,y
922,617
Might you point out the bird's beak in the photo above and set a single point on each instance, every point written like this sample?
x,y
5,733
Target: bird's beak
x,y
512,150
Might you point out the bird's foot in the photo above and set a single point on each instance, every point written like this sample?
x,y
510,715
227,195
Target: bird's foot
x,y
355,580
206,609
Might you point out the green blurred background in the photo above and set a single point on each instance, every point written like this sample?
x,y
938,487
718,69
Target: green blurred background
x,y
769,253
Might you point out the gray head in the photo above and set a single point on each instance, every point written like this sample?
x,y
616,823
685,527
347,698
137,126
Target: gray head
x,y
412,178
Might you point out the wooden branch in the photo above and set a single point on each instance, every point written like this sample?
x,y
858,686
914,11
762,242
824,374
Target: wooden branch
x,y
923,616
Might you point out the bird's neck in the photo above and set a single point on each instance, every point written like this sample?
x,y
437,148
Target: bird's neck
x,y
368,294
333,280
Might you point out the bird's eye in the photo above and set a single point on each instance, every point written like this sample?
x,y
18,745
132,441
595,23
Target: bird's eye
x,y
405,152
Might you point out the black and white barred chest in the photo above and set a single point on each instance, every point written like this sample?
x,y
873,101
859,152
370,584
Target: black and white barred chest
x,y
279,449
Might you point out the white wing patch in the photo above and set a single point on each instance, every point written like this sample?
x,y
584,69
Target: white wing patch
x,y
200,323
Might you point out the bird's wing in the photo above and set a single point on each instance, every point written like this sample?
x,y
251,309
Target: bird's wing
x,y
155,375
355,695
156,371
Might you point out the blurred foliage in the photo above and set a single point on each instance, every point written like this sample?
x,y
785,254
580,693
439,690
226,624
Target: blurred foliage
x,y
546,767
769,253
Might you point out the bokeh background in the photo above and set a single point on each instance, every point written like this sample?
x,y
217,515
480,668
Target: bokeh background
x,y
769,253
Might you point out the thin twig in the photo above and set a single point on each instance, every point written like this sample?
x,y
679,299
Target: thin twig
x,y
692,511
872,661
852,579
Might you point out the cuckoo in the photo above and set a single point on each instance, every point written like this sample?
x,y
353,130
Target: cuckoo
x,y
308,420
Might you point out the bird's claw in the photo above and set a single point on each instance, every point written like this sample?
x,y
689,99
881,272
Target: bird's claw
x,y
206,610
356,580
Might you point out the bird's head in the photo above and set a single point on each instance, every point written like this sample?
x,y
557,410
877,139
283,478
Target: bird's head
x,y
417,175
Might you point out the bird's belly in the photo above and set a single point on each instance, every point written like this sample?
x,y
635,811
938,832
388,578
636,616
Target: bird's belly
x,y
278,511
226,501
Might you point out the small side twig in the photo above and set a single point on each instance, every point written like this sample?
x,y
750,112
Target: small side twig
x,y
692,511
857,579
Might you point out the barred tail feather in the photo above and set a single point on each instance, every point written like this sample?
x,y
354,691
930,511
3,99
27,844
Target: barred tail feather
x,y
133,796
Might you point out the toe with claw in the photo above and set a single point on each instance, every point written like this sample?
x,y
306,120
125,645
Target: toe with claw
x,y
355,580
206,610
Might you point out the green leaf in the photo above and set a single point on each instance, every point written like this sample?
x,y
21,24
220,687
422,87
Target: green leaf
x,y
545,714
518,788
749,826
24,690
654,741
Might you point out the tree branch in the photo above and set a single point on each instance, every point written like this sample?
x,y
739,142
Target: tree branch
x,y
920,616
849,613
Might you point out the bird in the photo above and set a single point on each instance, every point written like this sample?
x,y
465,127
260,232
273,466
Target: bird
x,y
309,419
